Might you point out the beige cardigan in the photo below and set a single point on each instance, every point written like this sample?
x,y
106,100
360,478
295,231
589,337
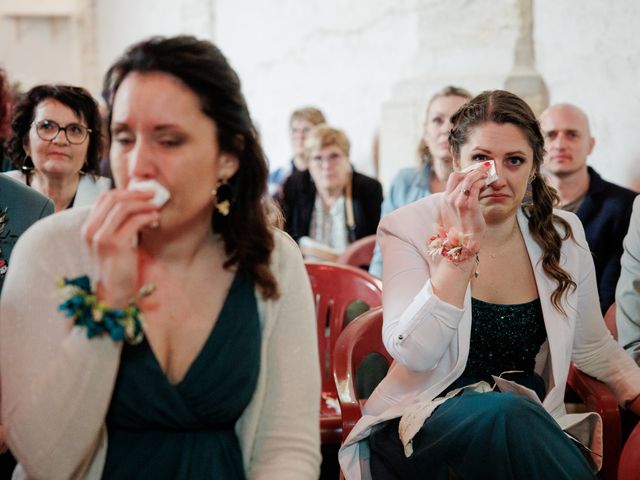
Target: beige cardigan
x,y
57,384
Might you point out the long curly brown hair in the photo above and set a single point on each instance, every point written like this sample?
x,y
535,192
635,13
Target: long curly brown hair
x,y
246,231
502,107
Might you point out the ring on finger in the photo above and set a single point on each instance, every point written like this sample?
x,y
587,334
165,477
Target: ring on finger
x,y
466,192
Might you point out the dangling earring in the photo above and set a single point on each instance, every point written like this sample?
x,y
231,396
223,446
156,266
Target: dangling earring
x,y
27,165
222,196
527,201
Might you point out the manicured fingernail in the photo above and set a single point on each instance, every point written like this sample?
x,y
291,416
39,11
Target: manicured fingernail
x,y
487,164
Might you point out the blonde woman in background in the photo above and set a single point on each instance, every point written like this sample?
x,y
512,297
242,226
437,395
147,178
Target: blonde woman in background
x,y
330,205
411,184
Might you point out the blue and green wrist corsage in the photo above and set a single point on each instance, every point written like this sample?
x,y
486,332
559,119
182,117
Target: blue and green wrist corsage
x,y
87,311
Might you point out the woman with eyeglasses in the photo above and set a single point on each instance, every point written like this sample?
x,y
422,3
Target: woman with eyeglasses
x,y
329,206
56,143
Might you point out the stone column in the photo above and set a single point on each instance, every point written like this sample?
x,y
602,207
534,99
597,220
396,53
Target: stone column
x,y
87,22
460,43
524,80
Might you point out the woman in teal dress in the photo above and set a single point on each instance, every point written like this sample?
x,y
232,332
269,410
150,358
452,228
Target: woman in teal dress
x,y
185,344
199,413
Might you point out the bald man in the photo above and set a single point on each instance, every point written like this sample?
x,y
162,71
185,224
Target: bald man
x,y
603,207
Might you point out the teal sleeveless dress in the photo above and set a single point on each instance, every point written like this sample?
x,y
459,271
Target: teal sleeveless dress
x,y
497,436
158,430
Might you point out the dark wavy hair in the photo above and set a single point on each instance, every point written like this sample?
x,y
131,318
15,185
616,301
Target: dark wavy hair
x,y
503,107
246,231
78,100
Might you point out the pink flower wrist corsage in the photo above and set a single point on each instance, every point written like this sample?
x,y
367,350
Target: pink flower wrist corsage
x,y
456,247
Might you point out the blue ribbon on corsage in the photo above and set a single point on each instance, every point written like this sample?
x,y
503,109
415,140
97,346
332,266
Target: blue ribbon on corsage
x,y
87,311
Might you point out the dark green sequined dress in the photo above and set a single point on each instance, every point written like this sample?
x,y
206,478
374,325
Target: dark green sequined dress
x,y
497,436
157,430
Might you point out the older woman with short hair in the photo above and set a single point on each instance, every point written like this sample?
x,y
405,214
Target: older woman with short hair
x,y
56,144
330,205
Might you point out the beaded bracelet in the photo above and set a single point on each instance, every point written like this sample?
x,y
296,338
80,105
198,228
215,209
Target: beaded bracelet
x,y
86,310
455,246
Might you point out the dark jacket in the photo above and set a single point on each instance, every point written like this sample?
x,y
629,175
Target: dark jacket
x,y
299,196
605,213
20,206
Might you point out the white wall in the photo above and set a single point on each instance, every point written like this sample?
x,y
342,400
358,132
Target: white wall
x,y
34,50
369,64
460,43
79,48
124,22
343,57
589,54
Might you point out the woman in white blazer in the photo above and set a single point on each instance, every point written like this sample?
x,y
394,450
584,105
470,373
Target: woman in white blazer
x,y
520,303
56,143
188,349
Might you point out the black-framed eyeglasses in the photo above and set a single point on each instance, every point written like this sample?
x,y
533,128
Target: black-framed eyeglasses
x,y
48,130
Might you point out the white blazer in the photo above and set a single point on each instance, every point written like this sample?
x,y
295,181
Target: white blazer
x,y
88,188
429,339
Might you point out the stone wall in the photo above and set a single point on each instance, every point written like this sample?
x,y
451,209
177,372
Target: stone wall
x,y
370,65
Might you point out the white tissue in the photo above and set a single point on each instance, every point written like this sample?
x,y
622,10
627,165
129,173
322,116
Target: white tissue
x,y
493,174
161,194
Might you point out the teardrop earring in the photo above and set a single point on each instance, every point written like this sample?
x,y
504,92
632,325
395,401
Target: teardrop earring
x,y
222,196
27,165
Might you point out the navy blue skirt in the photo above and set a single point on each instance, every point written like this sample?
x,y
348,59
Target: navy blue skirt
x,y
481,435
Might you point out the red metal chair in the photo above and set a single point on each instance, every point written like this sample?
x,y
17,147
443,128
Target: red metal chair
x,y
335,288
364,335
629,466
597,397
359,253
360,338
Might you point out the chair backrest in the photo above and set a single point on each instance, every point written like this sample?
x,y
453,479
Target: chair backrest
x,y
360,338
597,397
359,253
610,320
629,466
335,287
